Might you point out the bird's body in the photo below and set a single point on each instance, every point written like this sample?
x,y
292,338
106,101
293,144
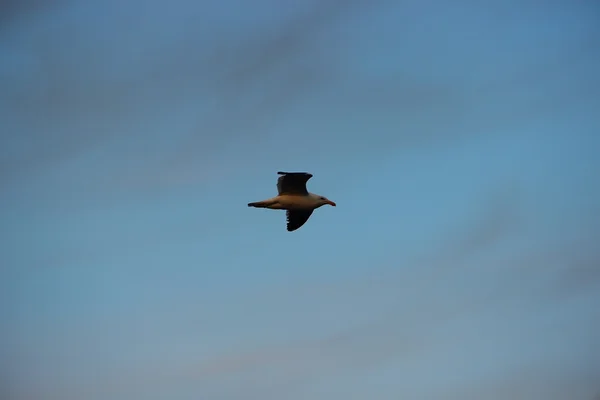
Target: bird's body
x,y
294,198
289,202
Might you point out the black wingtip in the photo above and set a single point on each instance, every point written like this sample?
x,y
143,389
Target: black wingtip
x,y
293,173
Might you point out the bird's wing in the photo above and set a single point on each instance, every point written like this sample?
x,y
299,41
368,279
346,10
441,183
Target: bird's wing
x,y
297,218
293,183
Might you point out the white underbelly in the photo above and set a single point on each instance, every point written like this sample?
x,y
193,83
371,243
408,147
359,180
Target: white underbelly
x,y
288,202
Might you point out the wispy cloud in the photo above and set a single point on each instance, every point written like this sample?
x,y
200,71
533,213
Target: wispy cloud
x,y
460,263
72,100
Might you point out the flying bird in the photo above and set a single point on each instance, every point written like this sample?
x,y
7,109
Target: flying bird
x,y
294,198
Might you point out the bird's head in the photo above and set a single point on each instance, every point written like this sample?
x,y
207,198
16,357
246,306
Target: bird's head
x,y
324,200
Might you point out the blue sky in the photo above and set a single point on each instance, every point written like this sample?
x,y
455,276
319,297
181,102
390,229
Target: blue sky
x,y
459,140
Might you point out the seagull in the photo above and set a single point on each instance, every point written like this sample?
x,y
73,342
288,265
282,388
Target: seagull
x,y
294,198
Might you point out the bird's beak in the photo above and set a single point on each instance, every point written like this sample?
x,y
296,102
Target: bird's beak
x,y
331,203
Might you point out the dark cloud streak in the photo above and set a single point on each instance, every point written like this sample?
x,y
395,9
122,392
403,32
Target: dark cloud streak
x,y
73,104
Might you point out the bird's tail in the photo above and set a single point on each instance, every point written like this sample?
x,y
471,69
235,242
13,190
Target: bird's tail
x,y
259,204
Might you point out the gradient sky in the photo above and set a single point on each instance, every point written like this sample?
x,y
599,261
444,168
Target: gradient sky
x,y
460,141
